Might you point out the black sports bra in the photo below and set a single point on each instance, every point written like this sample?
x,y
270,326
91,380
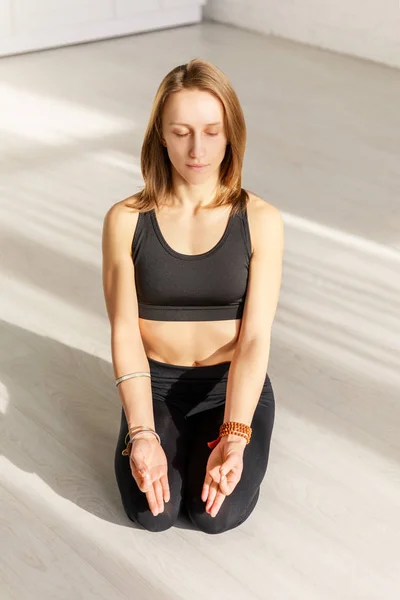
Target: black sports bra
x,y
172,286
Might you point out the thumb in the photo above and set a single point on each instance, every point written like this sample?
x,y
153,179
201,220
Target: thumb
x,y
141,467
142,477
230,462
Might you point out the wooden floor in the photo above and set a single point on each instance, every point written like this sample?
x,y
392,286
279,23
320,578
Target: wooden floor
x,y
323,146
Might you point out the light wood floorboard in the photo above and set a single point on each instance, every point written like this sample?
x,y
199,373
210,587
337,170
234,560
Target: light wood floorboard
x,y
323,146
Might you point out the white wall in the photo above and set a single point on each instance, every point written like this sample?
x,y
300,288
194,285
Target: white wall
x,y
365,28
27,25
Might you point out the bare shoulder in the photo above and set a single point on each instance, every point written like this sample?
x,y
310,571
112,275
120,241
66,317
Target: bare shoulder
x,y
120,223
123,207
258,207
263,217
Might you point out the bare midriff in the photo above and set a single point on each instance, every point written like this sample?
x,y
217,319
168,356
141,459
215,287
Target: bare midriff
x,y
194,343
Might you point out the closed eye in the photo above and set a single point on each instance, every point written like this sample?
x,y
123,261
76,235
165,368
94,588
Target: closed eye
x,y
185,134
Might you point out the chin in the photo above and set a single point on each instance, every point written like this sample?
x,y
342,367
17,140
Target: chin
x,y
193,176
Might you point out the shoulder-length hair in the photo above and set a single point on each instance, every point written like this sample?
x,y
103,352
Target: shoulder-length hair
x,y
155,163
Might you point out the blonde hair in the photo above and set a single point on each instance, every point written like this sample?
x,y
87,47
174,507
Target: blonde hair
x,y
155,163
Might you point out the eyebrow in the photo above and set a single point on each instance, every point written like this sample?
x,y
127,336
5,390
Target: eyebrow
x,y
186,125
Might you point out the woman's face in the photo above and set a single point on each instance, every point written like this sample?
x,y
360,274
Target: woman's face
x,y
194,134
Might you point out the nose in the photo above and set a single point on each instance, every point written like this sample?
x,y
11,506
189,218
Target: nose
x,y
197,147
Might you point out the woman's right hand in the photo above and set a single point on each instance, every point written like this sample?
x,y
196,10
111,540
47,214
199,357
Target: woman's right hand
x,y
149,468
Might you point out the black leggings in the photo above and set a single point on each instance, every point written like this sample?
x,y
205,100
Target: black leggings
x,y
188,404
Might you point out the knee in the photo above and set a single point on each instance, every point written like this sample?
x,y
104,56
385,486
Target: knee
x,y
163,521
212,525
228,517
223,521
151,523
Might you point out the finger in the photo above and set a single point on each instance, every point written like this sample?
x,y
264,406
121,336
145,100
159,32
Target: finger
x,y
152,501
139,467
231,463
228,483
165,488
142,477
211,495
159,495
219,498
206,487
223,485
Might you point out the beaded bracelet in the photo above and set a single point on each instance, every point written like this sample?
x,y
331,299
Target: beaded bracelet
x,y
232,427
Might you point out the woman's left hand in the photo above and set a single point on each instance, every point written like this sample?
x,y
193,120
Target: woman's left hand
x,y
224,470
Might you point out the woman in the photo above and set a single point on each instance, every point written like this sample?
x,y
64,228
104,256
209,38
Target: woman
x,y
191,276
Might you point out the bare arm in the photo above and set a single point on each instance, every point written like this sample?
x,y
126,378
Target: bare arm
x,y
250,361
128,354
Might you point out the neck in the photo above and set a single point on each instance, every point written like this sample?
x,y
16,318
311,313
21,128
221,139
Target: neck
x,y
192,197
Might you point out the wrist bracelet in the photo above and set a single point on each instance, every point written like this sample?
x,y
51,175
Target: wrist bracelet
x,y
127,450
232,427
